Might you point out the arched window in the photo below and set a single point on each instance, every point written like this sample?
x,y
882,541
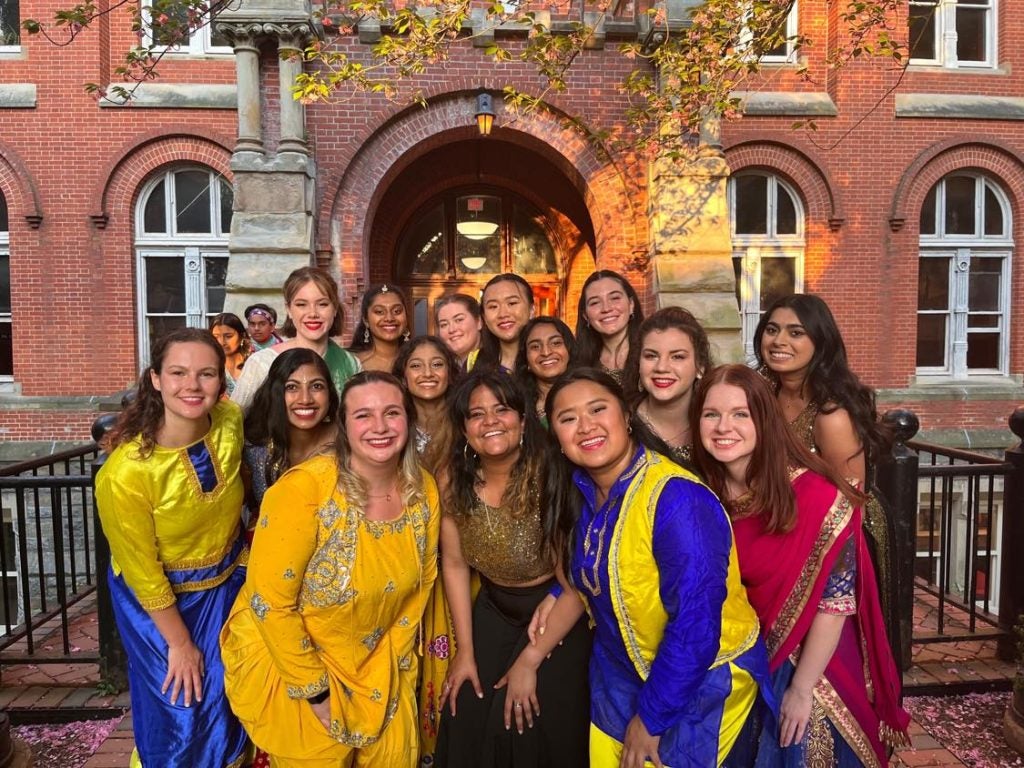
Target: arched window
x,y
6,335
963,288
461,239
767,245
182,223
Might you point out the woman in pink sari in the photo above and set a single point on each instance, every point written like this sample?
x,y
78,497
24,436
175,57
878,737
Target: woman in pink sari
x,y
804,561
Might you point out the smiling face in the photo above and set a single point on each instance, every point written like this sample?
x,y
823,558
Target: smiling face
x,y
385,317
506,310
228,338
785,345
311,312
306,397
546,353
458,328
668,365
591,428
189,381
426,373
493,430
607,306
727,430
376,426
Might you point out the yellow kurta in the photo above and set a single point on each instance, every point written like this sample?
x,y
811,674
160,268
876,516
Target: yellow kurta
x,y
156,515
331,600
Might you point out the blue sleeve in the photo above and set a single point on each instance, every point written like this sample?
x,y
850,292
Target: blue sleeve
x,y
692,540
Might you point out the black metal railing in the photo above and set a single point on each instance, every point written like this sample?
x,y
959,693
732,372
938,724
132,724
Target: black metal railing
x,y
956,517
47,555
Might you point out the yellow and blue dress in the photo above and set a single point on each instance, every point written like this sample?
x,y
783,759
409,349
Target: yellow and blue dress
x,y
676,641
332,602
173,520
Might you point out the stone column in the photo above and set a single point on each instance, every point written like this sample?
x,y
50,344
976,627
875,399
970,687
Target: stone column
x,y
293,117
691,242
247,68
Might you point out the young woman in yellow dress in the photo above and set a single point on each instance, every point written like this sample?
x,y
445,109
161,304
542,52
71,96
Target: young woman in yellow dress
x,y
320,651
170,500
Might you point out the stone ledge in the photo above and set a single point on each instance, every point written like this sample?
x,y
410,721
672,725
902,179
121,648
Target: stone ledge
x,y
987,440
782,104
174,96
17,96
959,106
996,388
97,403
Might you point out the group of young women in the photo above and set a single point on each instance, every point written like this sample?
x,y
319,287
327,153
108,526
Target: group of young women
x,y
402,553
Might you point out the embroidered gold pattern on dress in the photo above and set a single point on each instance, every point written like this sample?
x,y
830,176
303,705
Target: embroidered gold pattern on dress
x,y
845,723
210,583
309,690
505,546
821,745
157,603
193,478
378,528
838,517
259,606
192,563
371,640
328,579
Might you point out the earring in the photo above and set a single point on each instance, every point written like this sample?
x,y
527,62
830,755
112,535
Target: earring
x,y
326,420
405,336
366,335
639,386
629,429
465,453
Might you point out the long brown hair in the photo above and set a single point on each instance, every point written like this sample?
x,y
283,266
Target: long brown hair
x,y
297,280
775,454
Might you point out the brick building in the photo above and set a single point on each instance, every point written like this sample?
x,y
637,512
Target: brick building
x,y
902,208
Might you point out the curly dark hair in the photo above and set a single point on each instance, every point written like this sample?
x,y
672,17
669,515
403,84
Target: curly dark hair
x,y
829,382
144,414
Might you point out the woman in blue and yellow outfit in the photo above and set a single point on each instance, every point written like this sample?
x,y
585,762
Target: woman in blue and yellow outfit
x,y
677,661
170,499
320,650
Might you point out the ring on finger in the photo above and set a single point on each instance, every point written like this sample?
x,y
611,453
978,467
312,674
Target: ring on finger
x,y
517,705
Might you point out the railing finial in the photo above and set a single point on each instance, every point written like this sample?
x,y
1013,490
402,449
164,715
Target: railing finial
x,y
904,423
1017,422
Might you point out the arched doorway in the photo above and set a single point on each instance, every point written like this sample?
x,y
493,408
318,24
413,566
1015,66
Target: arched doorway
x,y
470,209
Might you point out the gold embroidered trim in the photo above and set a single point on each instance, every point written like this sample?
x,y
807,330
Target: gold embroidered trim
x,y
309,690
216,581
156,603
735,653
237,762
845,723
821,744
838,517
192,563
193,477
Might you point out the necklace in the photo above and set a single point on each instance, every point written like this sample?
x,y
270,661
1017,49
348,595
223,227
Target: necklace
x,y
385,496
675,441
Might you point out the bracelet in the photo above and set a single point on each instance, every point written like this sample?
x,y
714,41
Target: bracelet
x,y
321,697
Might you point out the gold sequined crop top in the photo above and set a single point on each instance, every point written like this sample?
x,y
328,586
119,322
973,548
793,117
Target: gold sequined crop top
x,y
503,548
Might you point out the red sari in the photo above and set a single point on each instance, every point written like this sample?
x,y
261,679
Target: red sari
x,y
786,575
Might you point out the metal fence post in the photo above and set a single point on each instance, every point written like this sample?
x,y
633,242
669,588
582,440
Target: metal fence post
x,y
896,478
1011,574
113,662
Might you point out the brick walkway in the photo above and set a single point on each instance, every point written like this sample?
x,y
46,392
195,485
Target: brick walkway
x,y
48,692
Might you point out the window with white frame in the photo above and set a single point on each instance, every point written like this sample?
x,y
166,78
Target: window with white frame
x,y
963,289
6,335
767,245
784,49
10,25
784,52
953,33
172,25
182,223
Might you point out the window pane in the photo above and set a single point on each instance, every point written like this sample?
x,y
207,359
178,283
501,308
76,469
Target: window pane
x,y
737,268
928,213
982,321
922,30
933,284
4,225
478,233
423,251
751,205
10,22
785,213
5,284
419,317
192,201
165,286
993,213
983,350
983,286
227,199
960,205
931,341
154,217
216,38
6,349
169,22
216,277
160,326
970,34
532,251
778,279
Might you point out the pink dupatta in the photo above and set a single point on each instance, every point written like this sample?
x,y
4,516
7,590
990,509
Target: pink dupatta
x,y
785,576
